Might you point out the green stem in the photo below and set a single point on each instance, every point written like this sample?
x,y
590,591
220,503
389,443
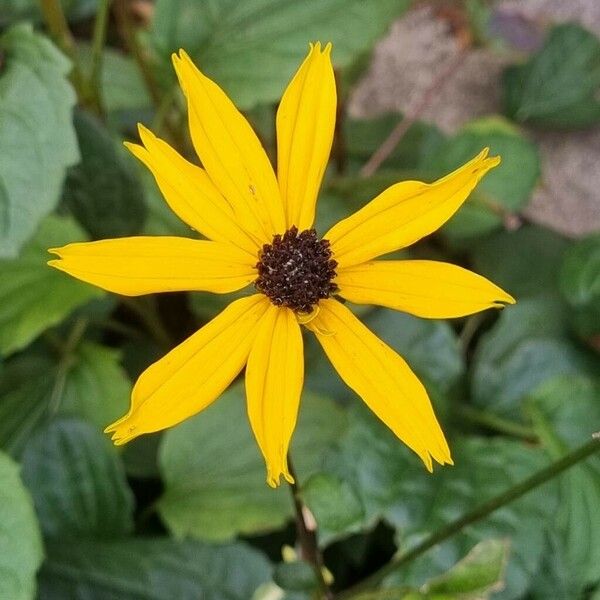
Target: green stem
x,y
147,312
483,510
496,423
65,363
128,34
307,537
55,20
98,41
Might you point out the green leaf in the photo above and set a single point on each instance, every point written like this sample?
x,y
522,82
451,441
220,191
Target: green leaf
x,y
96,386
295,576
37,140
14,10
391,483
215,476
91,385
580,284
554,578
24,396
476,576
525,262
558,86
566,413
77,482
505,189
230,40
483,469
160,569
33,296
333,503
122,85
21,550
526,347
102,191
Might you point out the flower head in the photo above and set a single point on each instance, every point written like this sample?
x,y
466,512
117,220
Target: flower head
x,y
259,230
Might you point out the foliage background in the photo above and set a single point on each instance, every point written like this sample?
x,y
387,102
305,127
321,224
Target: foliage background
x,y
186,513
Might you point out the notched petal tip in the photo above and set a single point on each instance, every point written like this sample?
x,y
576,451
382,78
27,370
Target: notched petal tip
x,y
122,431
274,481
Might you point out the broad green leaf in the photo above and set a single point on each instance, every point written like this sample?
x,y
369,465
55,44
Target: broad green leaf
x,y
102,191
90,384
123,87
33,296
476,576
25,391
13,10
96,387
231,41
333,503
558,86
37,140
555,579
525,347
580,284
21,550
160,569
524,262
215,476
566,412
77,482
505,189
391,483
483,469
295,576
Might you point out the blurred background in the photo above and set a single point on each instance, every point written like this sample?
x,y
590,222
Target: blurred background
x,y
422,88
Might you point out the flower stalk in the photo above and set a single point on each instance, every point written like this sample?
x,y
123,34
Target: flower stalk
x,y
307,536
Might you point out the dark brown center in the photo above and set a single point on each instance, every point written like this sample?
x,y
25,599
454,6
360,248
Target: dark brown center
x,y
296,270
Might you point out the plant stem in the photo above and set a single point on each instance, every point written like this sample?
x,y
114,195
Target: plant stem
x,y
147,312
497,423
65,363
129,36
98,41
307,536
483,510
55,20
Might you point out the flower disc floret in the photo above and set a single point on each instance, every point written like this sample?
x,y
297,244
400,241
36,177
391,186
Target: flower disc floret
x,y
296,270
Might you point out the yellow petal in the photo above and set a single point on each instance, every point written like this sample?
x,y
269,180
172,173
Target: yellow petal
x,y
274,378
305,124
145,265
382,379
425,288
231,153
189,192
193,374
404,213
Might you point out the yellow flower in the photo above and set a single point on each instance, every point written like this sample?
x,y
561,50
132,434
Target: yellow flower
x,y
258,230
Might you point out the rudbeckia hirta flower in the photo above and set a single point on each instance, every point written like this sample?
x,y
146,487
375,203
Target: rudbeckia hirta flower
x,y
259,230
